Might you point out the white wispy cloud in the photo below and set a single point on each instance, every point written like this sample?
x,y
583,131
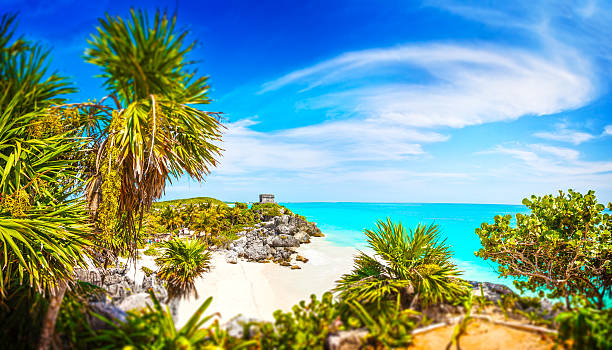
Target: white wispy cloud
x,y
563,134
608,130
319,146
553,161
468,85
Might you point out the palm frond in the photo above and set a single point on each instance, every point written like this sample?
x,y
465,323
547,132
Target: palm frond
x,y
405,261
180,264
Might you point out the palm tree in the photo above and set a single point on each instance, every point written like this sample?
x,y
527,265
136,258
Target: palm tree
x,y
155,132
152,134
43,224
180,264
414,264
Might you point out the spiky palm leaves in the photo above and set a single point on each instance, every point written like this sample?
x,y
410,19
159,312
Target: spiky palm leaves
x,y
156,134
42,227
23,68
180,264
414,263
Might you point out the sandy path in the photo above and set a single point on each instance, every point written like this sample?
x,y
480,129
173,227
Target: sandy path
x,y
256,290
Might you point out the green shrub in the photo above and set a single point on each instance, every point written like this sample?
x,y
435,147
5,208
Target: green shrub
x,y
154,328
270,209
72,327
151,252
180,264
241,205
585,328
306,327
387,330
562,245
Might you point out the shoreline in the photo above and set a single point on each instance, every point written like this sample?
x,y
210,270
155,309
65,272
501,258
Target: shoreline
x,y
256,290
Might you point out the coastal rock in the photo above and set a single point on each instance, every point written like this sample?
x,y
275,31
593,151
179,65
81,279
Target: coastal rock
x,y
491,291
302,237
237,325
295,267
282,254
281,220
284,241
256,252
346,340
107,310
135,301
272,239
284,229
231,257
118,285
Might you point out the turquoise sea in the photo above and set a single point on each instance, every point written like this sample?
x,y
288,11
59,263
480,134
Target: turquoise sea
x,y
343,224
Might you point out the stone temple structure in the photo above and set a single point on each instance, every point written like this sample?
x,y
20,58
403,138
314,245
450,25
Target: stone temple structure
x,y
266,198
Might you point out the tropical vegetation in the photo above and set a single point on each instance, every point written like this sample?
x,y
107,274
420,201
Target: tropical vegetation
x,y
412,264
209,219
81,175
80,180
564,245
180,264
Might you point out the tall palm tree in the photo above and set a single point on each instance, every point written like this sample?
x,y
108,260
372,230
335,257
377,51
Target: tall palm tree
x,y
415,264
180,264
155,132
43,224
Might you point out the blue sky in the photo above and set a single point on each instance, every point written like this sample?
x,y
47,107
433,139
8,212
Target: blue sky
x,y
384,101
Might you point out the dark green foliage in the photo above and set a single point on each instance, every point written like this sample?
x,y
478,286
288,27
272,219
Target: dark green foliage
x,y
308,325
72,326
154,328
21,314
585,329
529,302
564,245
304,328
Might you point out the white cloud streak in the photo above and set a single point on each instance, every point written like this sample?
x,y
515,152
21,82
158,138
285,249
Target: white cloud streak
x,y
469,85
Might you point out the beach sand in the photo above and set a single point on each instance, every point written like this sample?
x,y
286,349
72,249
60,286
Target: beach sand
x,y
256,290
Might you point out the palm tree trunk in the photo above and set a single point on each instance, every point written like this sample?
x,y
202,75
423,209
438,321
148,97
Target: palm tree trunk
x,y
48,324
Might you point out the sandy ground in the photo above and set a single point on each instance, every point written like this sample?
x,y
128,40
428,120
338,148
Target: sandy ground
x,y
256,290
483,336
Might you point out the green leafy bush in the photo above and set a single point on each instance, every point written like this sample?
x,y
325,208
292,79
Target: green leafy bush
x,y
154,328
306,327
151,252
563,245
585,329
241,205
387,330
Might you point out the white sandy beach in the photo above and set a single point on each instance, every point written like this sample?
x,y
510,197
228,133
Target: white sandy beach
x,y
256,290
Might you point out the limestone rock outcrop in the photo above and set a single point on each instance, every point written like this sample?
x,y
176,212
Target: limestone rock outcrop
x,y
272,240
